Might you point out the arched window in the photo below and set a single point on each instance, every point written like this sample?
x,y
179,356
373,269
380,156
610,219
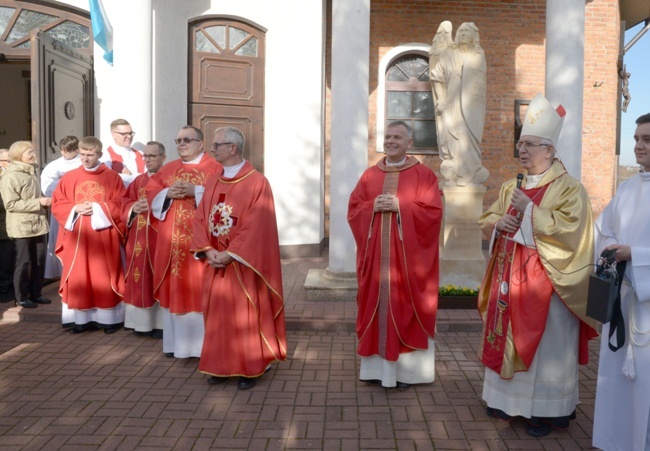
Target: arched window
x,y
405,94
18,19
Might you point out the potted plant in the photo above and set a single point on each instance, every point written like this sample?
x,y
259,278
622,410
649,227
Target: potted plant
x,y
455,297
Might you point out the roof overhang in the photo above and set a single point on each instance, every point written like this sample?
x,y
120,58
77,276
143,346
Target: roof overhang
x,y
634,12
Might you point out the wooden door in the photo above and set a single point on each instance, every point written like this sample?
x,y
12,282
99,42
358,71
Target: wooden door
x,y
227,81
62,95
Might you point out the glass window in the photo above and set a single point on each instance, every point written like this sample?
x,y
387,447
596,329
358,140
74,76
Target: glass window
x,y
236,37
409,98
203,44
218,34
71,34
249,48
5,16
27,21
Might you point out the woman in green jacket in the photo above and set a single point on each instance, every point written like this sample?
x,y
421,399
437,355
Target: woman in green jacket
x,y
26,223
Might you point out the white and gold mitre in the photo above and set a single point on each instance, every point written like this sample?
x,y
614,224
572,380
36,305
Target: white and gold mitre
x,y
543,120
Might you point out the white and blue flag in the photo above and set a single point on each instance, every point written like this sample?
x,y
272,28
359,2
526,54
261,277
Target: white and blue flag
x,y
102,30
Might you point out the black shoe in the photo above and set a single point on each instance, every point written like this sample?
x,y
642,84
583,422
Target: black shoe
x,y
371,381
157,333
140,334
169,354
537,428
402,386
246,382
77,330
216,380
26,304
498,414
110,330
41,300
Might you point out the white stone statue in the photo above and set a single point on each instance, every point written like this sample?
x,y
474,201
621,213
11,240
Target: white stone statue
x,y
457,73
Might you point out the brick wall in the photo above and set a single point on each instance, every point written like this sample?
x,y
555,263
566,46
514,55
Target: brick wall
x,y
512,34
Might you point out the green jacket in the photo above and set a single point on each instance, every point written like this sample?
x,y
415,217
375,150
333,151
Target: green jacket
x,y
21,190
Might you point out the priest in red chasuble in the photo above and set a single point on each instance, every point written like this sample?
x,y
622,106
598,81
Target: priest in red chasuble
x,y
395,213
143,314
534,295
86,203
173,193
120,156
235,232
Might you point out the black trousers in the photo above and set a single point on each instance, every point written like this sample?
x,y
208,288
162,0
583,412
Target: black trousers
x,y
7,259
30,266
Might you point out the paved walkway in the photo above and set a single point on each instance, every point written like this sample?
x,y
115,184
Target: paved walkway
x,y
105,392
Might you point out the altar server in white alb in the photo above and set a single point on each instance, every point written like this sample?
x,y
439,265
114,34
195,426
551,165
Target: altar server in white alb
x,y
622,413
52,173
120,156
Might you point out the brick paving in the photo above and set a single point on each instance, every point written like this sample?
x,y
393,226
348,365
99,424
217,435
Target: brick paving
x,y
105,392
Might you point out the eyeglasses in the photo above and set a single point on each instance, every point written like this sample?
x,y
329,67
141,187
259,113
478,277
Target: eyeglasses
x,y
186,140
215,146
125,134
527,145
149,157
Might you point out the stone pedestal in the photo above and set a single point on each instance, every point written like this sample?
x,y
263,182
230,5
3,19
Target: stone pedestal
x,y
330,286
462,262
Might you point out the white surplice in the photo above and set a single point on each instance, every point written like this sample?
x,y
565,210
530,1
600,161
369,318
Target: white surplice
x,y
622,411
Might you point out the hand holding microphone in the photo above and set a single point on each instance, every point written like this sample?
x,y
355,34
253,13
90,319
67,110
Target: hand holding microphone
x,y
519,200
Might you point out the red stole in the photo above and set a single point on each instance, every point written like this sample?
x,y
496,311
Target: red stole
x,y
117,162
519,298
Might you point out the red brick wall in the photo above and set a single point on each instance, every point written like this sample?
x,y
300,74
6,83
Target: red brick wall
x,y
512,34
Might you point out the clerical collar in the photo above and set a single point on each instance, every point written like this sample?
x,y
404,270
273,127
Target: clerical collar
x,y
126,149
92,169
197,160
399,163
645,176
532,180
231,171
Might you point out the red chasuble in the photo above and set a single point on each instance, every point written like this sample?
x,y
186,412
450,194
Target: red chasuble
x,y
178,276
139,247
92,267
243,305
117,162
397,259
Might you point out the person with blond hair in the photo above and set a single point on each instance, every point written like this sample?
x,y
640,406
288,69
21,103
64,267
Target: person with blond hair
x,y
87,202
26,223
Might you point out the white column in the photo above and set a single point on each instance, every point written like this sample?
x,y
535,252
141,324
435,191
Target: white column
x,y
349,131
131,97
565,60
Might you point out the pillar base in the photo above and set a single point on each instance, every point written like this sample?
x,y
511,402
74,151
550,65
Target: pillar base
x,y
324,285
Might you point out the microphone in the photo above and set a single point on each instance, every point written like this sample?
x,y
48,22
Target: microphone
x,y
520,178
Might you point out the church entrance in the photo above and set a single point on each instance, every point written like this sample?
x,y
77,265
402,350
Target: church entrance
x,y
46,75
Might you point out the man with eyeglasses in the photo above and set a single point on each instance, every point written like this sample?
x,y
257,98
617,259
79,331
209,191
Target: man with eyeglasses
x,y
120,156
235,231
143,313
173,194
534,295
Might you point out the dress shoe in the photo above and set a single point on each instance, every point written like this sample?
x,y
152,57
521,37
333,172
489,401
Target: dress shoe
x,y
26,304
371,381
402,386
246,382
216,380
498,414
140,334
169,354
77,330
537,428
42,300
157,333
110,330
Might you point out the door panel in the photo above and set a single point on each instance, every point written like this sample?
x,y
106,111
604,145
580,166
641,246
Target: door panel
x,y
62,95
248,120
